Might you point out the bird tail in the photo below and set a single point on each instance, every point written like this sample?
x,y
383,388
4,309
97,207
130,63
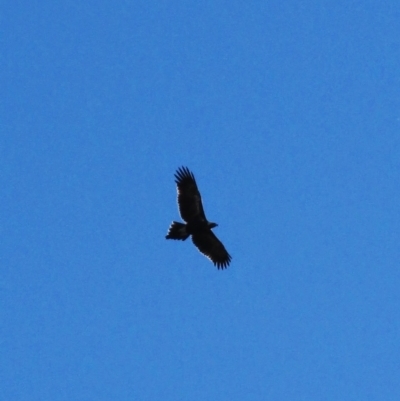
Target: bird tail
x,y
177,231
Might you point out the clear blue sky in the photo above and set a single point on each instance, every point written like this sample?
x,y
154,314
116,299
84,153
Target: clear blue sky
x,y
288,113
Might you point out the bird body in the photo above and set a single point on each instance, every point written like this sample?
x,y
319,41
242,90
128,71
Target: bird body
x,y
197,226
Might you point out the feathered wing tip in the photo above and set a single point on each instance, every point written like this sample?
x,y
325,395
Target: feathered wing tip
x,y
182,174
177,231
224,263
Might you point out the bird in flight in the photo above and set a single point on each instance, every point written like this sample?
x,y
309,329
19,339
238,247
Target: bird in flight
x,y
191,211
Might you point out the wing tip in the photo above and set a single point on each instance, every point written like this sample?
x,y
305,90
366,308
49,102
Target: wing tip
x,y
221,265
182,173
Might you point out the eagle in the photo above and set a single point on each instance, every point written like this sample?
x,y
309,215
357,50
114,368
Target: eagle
x,y
197,226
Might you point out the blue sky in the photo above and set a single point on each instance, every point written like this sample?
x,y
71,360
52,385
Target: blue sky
x,y
288,113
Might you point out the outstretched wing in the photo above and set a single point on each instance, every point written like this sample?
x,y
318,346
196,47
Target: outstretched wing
x,y
189,198
209,245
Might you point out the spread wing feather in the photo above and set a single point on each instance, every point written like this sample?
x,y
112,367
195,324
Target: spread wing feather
x,y
189,198
210,246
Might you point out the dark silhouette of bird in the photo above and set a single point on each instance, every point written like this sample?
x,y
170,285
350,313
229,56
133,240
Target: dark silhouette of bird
x,y
197,225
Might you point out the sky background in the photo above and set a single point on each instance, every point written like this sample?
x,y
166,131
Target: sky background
x,y
288,113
